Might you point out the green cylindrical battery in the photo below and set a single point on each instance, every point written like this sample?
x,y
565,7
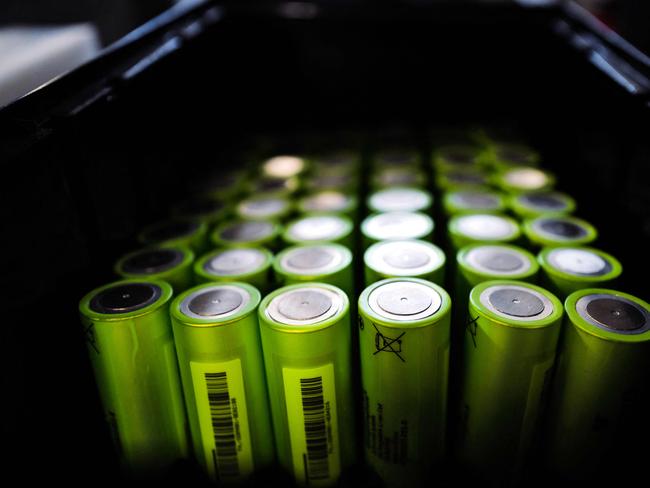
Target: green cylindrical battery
x,y
220,357
246,233
396,225
568,269
455,156
283,167
306,333
342,162
387,177
467,229
534,204
461,178
560,230
202,209
600,385
329,202
501,155
313,229
346,182
524,179
277,186
264,207
404,258
405,158
324,263
509,350
177,232
400,199
477,263
170,264
131,348
248,265
478,200
404,347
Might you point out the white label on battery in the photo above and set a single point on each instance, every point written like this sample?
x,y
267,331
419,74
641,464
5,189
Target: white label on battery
x,y
223,419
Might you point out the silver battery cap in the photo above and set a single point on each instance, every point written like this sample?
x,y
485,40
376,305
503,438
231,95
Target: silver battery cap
x,y
559,228
526,178
397,225
125,298
152,261
478,200
498,260
307,305
399,200
326,201
517,303
235,262
547,201
318,228
579,262
314,259
614,313
215,302
247,231
485,226
283,166
404,301
262,207
404,257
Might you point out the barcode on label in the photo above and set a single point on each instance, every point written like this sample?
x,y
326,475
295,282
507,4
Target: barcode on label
x,y
313,407
225,451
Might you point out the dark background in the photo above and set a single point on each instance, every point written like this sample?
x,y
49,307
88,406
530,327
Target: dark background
x,y
107,149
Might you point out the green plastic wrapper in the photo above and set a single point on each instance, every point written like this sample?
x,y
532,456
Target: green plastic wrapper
x,y
509,351
306,338
571,268
220,357
131,348
172,264
404,347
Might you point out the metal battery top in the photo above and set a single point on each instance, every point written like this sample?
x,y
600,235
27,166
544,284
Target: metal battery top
x,y
330,201
217,302
475,200
558,230
580,261
513,154
398,176
497,260
461,177
524,178
518,302
305,305
399,199
397,225
242,233
231,262
456,155
611,311
404,301
397,157
263,207
532,204
282,186
151,261
404,258
314,260
318,228
127,297
484,227
282,167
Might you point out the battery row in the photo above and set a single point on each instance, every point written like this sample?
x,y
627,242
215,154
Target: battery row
x,y
247,333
